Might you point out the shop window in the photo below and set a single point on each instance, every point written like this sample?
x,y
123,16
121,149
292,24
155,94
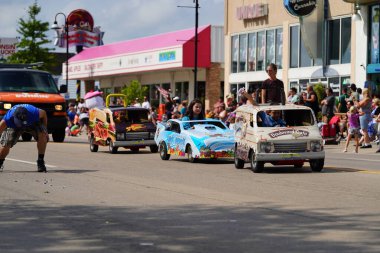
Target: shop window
x,y
305,60
339,41
375,31
346,41
270,47
182,90
294,45
242,52
260,50
252,52
234,53
279,47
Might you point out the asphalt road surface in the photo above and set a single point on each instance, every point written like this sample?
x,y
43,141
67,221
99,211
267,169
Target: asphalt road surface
x,y
126,202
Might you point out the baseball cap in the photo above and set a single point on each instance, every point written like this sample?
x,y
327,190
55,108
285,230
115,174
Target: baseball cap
x,y
176,98
20,117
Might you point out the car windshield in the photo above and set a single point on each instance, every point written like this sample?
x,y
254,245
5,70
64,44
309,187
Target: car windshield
x,y
27,81
210,122
138,116
287,118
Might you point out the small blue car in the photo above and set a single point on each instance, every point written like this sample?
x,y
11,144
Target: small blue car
x,y
195,139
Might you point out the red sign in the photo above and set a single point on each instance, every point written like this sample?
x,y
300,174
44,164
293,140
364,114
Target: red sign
x,y
81,20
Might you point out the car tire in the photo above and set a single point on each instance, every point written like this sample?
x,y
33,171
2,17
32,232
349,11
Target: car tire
x,y
164,151
189,152
256,166
153,148
93,147
58,135
26,137
239,163
317,165
112,148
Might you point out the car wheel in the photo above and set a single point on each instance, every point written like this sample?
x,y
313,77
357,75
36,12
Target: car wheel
x,y
317,165
190,157
164,151
153,148
59,135
112,148
239,163
93,147
256,166
26,137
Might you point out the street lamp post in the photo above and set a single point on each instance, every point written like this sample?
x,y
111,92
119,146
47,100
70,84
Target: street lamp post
x,y
56,27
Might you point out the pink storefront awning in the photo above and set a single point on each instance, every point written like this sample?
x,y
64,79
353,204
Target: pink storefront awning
x,y
164,51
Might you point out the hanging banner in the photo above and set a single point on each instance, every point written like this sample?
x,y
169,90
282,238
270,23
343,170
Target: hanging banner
x,y
300,8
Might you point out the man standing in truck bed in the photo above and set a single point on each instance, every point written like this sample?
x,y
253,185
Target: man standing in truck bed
x,y
24,118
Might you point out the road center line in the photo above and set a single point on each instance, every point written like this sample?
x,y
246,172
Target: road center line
x,y
27,162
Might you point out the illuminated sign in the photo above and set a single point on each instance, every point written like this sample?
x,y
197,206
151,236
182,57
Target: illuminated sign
x,y
252,11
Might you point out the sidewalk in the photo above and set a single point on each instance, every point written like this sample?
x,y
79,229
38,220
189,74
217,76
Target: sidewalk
x,y
362,151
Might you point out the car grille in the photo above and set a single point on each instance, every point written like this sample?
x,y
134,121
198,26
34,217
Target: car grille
x,y
137,136
290,147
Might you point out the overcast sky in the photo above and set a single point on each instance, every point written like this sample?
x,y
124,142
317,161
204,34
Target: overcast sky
x,y
119,19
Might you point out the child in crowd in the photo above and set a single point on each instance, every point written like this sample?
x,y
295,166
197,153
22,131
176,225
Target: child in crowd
x,y
353,129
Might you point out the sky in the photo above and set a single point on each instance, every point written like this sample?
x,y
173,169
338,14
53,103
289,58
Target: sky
x,y
120,19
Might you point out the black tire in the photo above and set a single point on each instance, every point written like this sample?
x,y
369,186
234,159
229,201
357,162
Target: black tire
x,y
317,165
256,166
112,148
153,148
26,137
58,135
93,147
239,163
189,152
164,151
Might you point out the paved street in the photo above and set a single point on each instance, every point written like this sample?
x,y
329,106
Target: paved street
x,y
125,202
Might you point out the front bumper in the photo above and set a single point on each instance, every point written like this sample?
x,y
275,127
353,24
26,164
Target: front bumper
x,y
268,157
134,143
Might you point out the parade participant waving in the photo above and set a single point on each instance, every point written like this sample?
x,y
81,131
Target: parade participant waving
x,y
21,119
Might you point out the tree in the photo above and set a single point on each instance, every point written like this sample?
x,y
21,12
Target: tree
x,y
33,37
134,90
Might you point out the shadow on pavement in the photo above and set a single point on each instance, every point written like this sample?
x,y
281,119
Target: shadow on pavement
x,y
256,227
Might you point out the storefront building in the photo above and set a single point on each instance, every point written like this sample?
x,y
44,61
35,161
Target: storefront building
x,y
164,60
342,50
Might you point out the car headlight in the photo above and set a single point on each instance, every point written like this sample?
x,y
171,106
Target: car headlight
x,y
266,147
58,107
315,146
7,106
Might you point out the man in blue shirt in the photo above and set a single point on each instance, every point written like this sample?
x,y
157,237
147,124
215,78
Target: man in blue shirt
x,y
24,118
273,119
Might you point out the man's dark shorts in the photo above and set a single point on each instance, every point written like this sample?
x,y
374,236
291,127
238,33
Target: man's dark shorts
x,y
10,136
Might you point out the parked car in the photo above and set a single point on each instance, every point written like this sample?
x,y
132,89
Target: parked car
x,y
205,139
293,142
120,126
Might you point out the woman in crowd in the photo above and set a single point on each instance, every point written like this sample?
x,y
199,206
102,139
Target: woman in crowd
x,y
365,117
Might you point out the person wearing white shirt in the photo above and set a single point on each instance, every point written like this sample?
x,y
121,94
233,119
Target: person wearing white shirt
x,y
146,103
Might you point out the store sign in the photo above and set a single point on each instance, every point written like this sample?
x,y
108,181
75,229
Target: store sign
x,y
167,56
252,11
8,46
81,31
300,8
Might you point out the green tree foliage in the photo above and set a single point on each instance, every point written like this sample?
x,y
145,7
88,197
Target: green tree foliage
x,y
319,89
134,90
33,38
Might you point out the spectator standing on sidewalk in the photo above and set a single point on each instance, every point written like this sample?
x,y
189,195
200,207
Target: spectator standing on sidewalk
x,y
311,100
365,117
24,118
342,105
328,105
